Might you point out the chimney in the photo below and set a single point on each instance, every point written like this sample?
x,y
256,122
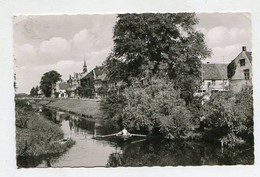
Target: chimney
x,y
243,48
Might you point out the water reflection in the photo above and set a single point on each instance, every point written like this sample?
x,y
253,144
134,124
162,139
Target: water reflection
x,y
111,152
87,151
164,153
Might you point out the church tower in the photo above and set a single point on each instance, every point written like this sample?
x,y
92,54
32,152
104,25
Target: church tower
x,y
85,67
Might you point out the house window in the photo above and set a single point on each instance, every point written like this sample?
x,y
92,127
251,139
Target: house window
x,y
213,82
242,62
246,74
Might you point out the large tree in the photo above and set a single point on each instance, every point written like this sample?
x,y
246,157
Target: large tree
x,y
160,44
48,81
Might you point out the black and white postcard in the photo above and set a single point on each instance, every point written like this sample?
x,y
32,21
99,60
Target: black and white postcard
x,y
159,88
130,90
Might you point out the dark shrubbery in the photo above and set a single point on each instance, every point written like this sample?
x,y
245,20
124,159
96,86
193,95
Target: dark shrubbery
x,y
153,108
232,113
34,134
231,69
23,104
112,108
157,106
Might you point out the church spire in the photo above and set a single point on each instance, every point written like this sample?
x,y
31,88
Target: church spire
x,y
85,66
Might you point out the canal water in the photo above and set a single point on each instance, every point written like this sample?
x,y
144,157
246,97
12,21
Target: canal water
x,y
89,152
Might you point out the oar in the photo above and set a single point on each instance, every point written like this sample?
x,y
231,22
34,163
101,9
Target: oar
x,y
103,136
138,141
138,135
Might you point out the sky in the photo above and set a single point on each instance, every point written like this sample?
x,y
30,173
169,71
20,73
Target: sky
x,y
62,42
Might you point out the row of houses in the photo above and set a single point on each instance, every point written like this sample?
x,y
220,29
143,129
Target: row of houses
x,y
215,77
64,89
223,77
81,84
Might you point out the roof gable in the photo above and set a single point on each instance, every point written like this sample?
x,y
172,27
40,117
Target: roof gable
x,y
98,70
215,71
249,56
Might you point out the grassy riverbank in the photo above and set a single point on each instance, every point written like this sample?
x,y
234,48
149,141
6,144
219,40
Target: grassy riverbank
x,y
87,108
36,136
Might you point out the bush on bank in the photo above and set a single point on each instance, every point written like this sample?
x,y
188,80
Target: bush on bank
x,y
112,109
232,114
34,134
153,108
158,108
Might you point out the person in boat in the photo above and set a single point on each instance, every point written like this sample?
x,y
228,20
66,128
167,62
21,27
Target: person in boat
x,y
124,132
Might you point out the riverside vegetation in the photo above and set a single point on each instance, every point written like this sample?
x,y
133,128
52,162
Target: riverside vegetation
x,y
35,135
157,60
155,68
157,109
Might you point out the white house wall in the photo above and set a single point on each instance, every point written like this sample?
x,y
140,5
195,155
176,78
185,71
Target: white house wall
x,y
239,74
220,85
237,82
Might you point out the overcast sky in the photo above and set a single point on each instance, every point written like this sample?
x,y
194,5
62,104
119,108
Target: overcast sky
x,y
61,42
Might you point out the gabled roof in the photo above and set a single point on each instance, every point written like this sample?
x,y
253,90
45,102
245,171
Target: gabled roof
x,y
214,71
98,70
249,56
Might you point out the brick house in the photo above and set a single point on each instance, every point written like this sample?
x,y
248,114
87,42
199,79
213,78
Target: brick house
x,y
94,80
240,71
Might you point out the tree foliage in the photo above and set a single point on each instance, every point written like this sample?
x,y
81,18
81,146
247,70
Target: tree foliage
x,y
112,108
85,91
115,69
158,57
231,69
48,81
233,112
157,106
35,135
103,90
34,91
159,44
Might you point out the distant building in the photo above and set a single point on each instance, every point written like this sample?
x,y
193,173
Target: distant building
x,y
75,80
222,77
61,89
100,81
93,81
214,78
240,71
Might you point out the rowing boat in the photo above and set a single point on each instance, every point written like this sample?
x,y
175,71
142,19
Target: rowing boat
x,y
120,136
